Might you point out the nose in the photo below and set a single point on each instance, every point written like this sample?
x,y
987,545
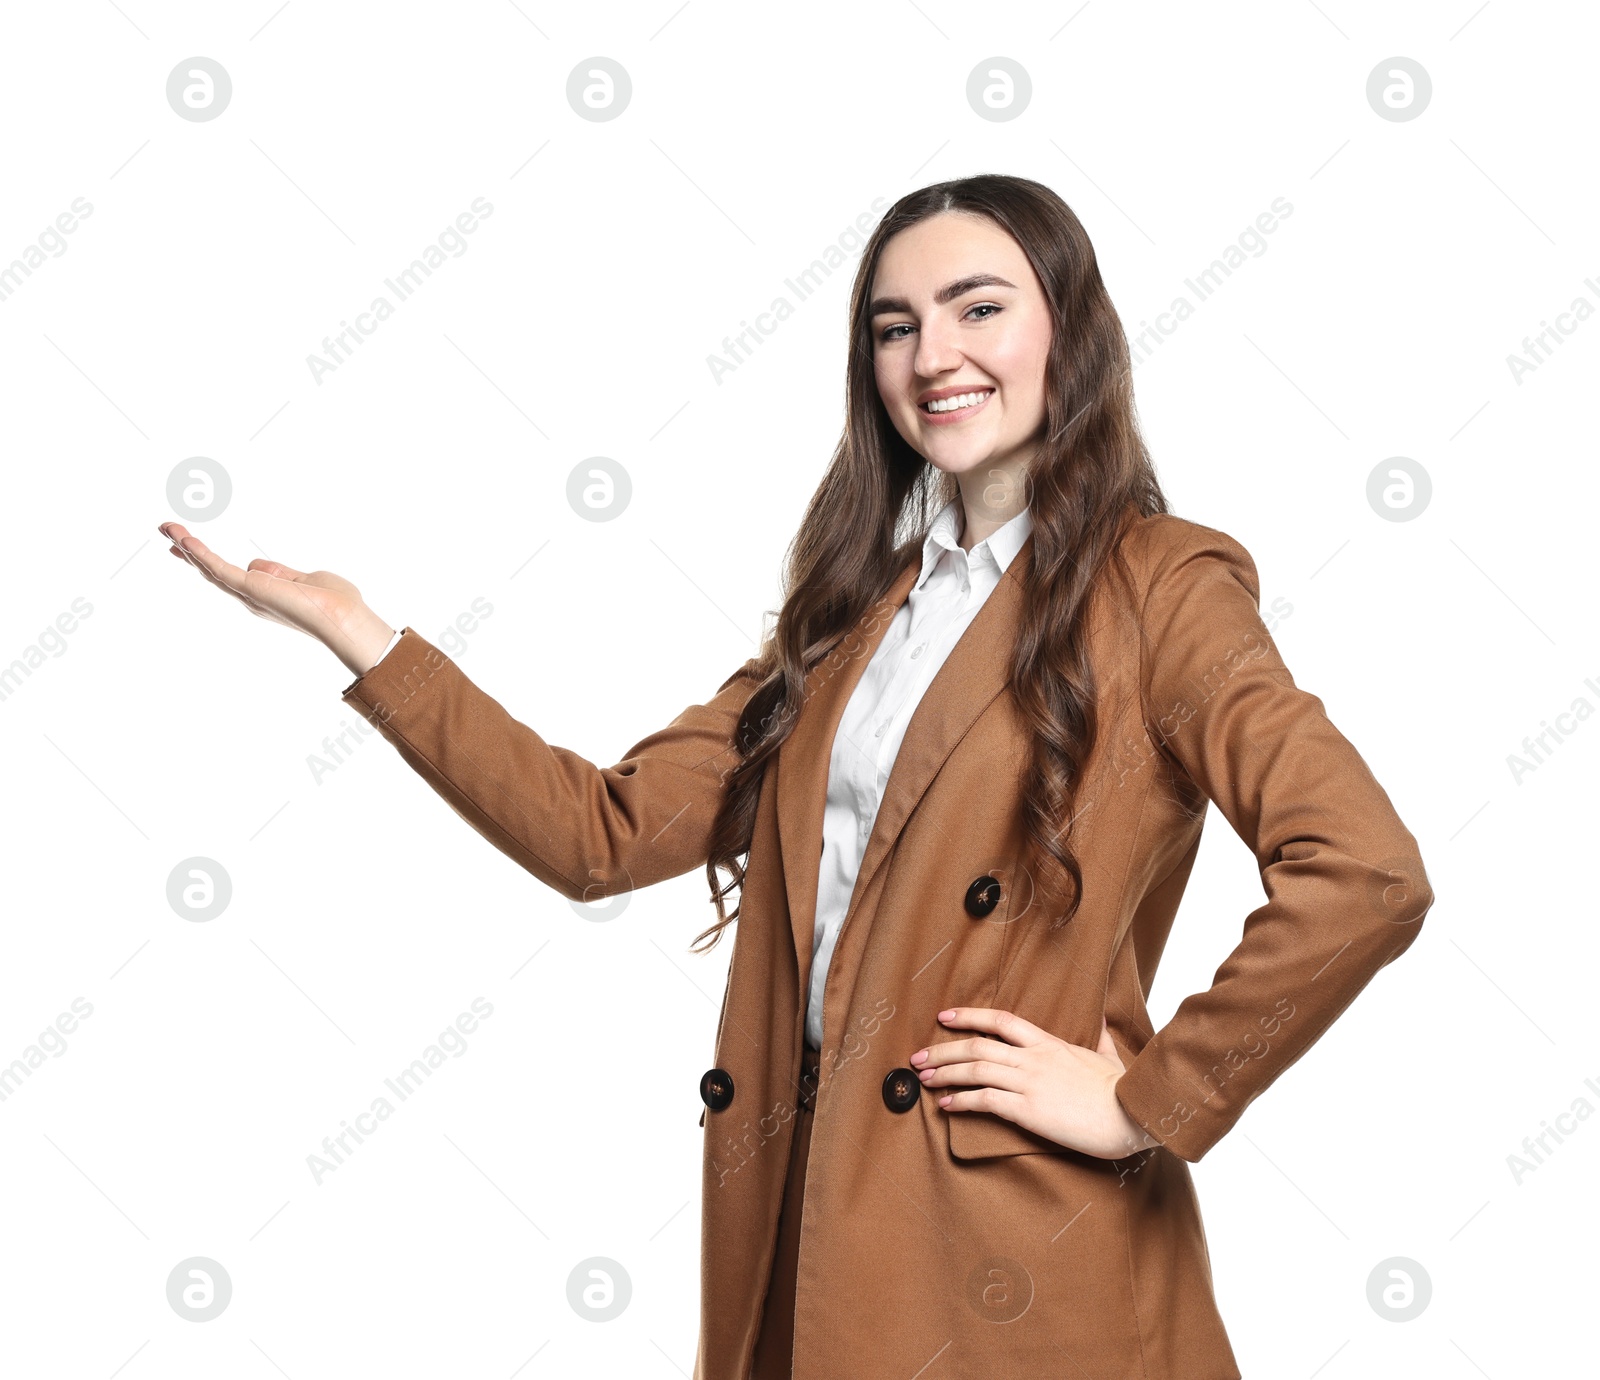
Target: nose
x,y
937,352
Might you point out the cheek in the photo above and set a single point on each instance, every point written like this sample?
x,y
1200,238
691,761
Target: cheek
x,y
891,386
1019,364
884,372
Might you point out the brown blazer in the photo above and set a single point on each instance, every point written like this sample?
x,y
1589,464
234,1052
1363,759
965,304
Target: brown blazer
x,y
958,1244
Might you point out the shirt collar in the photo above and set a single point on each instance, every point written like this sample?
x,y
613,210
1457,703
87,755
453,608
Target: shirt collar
x,y
1000,546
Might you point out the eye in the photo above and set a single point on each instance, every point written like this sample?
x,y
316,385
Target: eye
x,y
887,334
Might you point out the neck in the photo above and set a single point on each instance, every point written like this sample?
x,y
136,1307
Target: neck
x,y
991,495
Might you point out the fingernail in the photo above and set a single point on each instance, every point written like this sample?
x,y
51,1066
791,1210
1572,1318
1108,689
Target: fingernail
x,y
919,1056
946,1015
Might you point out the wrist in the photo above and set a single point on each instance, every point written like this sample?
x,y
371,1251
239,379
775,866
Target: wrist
x,y
1132,1135
366,636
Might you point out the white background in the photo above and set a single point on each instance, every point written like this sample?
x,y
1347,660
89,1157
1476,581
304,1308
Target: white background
x,y
431,469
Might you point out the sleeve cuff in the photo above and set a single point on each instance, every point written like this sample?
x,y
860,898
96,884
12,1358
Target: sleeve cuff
x,y
393,643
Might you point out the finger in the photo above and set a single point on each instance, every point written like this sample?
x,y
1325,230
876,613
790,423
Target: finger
x,y
276,568
208,561
1007,1025
1010,1105
242,594
220,571
980,1073
953,1051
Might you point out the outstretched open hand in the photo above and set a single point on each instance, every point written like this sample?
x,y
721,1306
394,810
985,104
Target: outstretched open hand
x,y
1025,1074
320,604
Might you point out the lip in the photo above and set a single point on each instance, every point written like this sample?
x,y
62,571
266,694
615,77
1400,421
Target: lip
x,y
960,414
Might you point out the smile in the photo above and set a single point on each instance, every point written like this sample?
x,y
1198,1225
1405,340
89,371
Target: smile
x,y
943,411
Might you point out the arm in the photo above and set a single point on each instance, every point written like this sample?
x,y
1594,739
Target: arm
x,y
1346,890
584,830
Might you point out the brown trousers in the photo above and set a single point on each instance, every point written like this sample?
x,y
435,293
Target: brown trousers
x,y
774,1354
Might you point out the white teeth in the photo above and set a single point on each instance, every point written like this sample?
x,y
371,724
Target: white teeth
x,y
960,400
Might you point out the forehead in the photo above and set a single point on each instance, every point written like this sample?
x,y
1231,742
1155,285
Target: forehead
x,y
918,260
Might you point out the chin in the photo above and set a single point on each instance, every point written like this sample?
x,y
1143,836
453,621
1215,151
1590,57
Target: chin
x,y
960,464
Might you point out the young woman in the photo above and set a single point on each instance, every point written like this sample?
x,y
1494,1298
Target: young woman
x,y
960,792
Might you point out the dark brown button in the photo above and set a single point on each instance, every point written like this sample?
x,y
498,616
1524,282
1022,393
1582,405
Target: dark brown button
x,y
982,897
901,1088
716,1088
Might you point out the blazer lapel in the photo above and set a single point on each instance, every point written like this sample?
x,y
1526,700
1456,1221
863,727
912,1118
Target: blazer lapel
x,y
977,669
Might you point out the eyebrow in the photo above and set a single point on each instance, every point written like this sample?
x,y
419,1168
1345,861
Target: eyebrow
x,y
881,306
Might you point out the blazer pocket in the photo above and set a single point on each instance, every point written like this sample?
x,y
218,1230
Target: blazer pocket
x,y
983,1135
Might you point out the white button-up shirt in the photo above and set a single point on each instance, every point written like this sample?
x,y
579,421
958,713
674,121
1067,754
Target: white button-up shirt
x,y
944,600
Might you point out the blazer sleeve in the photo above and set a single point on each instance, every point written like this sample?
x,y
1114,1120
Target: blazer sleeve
x,y
585,830
1344,881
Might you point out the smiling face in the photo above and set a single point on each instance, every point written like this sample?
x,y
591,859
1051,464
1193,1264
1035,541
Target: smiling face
x,y
957,311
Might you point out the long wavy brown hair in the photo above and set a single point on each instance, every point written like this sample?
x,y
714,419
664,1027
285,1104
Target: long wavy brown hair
x,y
871,513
